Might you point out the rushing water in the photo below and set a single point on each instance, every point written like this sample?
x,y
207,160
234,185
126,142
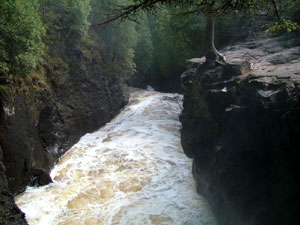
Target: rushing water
x,y
131,171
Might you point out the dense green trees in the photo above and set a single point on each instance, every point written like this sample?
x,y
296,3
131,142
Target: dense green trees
x,y
167,42
75,16
66,20
21,31
172,39
144,49
117,41
211,9
45,31
50,32
178,27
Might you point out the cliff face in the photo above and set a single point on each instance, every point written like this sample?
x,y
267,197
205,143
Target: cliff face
x,y
9,212
241,123
37,127
74,88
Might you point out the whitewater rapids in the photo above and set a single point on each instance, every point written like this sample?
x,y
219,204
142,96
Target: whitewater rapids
x,y
131,171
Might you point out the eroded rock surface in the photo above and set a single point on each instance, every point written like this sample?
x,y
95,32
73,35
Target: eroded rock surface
x,y
9,212
36,128
241,123
35,131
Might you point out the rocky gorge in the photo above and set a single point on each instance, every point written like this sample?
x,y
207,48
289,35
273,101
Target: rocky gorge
x,y
37,127
241,126
240,122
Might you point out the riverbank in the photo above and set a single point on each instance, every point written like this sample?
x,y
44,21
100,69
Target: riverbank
x,y
131,171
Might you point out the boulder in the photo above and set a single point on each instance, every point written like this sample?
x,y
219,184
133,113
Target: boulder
x,y
40,177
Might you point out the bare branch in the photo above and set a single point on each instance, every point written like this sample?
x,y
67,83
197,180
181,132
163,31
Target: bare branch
x,y
215,8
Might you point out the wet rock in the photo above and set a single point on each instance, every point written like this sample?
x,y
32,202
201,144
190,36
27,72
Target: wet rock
x,y
1,154
9,212
38,123
242,131
194,63
38,126
40,177
241,67
188,76
282,59
36,129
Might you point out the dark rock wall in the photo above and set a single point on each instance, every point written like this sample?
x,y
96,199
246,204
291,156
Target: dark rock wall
x,y
9,212
38,127
243,135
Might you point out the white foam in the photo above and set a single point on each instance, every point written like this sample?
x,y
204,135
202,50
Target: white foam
x,y
131,171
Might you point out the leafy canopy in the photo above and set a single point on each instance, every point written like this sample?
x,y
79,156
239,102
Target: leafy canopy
x,y
21,31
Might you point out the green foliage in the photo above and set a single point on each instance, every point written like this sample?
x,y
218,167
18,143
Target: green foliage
x,y
168,39
276,27
75,16
144,48
155,49
58,69
233,28
20,36
117,41
66,19
289,21
293,10
165,41
176,39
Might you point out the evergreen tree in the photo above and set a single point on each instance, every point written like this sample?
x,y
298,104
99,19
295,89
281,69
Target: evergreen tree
x,y
144,51
75,17
211,9
175,38
69,18
21,31
117,40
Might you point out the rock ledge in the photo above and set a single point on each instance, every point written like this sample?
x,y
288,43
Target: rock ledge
x,y
241,127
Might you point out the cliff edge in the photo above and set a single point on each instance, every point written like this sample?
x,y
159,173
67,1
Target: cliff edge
x,y
241,122
44,114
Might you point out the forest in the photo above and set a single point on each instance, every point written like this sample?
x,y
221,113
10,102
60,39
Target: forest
x,y
152,51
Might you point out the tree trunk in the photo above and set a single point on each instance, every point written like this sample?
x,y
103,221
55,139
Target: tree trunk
x,y
211,53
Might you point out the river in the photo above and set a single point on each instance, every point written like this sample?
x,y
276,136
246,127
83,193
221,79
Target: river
x,y
131,171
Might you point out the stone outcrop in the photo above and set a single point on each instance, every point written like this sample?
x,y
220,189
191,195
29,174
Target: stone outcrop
x,y
37,127
9,212
36,130
42,114
241,126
